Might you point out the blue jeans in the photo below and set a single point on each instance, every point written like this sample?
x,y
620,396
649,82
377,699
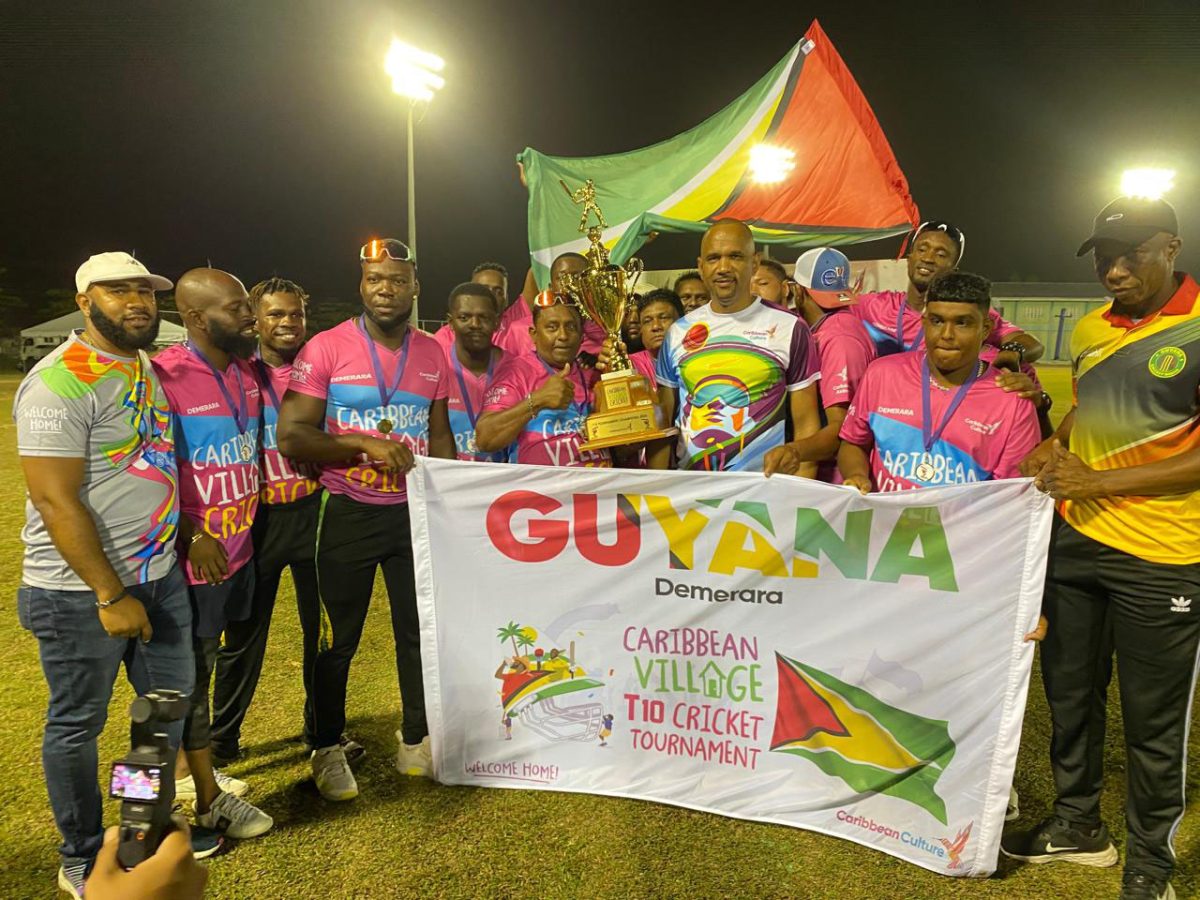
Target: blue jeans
x,y
80,662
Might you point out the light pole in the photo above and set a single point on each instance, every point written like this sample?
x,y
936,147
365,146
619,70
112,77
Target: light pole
x,y
414,75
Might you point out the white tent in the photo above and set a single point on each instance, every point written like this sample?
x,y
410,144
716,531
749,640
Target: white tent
x,y
39,340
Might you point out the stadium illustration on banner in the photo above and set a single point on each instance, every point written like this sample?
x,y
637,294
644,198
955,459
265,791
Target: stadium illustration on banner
x,y
547,691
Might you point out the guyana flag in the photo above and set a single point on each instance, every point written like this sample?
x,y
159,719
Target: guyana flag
x,y
844,185
852,735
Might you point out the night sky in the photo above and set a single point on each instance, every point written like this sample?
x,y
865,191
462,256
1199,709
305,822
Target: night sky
x,y
263,134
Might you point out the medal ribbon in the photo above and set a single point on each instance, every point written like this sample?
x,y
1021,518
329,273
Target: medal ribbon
x,y
462,384
385,394
264,372
241,412
904,305
930,437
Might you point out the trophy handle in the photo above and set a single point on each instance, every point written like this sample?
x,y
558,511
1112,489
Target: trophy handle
x,y
633,271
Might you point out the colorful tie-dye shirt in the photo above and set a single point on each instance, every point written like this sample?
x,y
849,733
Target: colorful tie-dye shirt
x,y
111,412
733,372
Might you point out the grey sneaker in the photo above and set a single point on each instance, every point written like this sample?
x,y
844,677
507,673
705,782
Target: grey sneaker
x,y
71,877
332,774
236,818
414,759
185,788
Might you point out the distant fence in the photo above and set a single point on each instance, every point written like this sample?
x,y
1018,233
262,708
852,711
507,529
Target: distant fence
x,y
1050,320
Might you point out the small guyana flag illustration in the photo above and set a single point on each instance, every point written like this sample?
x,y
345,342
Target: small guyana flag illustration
x,y
854,736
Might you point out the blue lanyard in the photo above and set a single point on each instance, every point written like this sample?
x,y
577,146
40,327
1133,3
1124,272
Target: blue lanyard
x,y
930,437
241,412
586,408
462,384
385,394
264,373
900,328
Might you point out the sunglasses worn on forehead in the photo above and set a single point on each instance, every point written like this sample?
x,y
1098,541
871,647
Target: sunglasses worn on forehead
x,y
377,250
551,298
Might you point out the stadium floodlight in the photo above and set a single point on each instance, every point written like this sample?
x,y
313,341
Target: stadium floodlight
x,y
770,164
414,75
414,72
1148,183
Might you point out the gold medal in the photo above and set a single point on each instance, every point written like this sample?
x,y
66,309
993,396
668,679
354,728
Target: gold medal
x,y
246,452
386,426
925,471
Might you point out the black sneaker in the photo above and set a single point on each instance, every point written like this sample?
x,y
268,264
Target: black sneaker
x,y
1137,886
1056,839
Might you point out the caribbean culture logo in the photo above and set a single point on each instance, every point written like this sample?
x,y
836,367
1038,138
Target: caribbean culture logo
x,y
850,734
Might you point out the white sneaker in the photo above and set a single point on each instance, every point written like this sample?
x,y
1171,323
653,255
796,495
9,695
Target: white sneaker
x,y
332,774
1014,806
236,818
414,759
185,788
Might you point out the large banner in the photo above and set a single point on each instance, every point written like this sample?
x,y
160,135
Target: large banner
x,y
777,650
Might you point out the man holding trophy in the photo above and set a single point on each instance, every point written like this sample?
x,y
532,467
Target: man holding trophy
x,y
556,411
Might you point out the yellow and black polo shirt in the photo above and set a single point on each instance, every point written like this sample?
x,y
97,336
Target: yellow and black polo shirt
x,y
1137,395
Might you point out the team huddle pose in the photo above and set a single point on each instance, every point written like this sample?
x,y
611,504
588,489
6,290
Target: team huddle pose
x,y
166,495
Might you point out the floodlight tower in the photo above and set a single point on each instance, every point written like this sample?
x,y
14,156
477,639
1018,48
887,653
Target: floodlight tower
x,y
414,75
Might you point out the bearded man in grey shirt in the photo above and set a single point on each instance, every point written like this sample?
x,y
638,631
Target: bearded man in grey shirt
x,y
100,583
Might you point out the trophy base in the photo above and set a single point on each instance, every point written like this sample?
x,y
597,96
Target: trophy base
x,y
626,413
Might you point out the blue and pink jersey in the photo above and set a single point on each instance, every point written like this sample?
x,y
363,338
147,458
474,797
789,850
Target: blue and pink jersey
x,y
513,334
552,437
337,366
985,438
216,417
283,480
845,350
881,311
464,402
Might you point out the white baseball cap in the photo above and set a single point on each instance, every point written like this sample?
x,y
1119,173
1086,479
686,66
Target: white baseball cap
x,y
116,266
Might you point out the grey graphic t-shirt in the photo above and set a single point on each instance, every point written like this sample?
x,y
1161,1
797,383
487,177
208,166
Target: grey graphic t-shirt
x,y
110,411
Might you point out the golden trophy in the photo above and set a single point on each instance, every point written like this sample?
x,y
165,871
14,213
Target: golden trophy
x,y
625,403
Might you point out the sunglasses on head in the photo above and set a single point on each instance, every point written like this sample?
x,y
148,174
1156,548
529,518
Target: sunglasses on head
x,y
946,228
389,248
551,298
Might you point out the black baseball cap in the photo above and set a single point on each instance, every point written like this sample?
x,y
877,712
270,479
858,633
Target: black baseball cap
x,y
1132,221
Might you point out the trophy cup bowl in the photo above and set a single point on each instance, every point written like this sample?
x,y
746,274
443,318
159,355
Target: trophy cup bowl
x,y
625,402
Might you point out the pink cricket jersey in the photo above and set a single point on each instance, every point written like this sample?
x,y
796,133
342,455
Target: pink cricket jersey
x,y
988,436
846,350
335,366
283,480
465,412
878,312
552,437
218,460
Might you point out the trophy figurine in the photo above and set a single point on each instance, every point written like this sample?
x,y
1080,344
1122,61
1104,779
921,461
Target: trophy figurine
x,y
625,403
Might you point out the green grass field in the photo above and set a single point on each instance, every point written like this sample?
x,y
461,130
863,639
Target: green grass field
x,y
406,837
